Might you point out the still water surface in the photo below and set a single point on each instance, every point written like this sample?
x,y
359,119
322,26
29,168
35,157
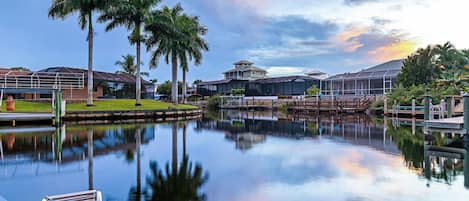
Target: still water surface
x,y
235,157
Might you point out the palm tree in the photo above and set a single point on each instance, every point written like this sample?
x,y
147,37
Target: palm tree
x,y
128,66
178,38
131,14
84,8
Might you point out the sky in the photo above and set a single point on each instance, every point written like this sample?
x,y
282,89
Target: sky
x,y
284,37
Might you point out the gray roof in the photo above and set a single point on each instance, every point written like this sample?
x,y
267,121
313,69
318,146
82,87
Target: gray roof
x,y
243,62
283,79
243,69
390,65
388,69
224,81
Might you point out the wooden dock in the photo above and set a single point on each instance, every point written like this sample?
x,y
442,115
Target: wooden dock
x,y
9,117
446,123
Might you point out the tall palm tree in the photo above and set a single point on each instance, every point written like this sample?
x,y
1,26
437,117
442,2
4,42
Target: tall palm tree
x,y
178,38
61,9
127,66
131,14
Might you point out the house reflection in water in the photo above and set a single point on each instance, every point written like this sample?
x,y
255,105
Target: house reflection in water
x,y
245,141
250,128
67,145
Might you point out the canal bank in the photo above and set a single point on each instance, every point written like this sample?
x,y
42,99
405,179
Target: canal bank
x,y
103,110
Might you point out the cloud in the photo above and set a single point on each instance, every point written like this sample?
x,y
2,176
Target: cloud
x,y
395,50
348,39
357,2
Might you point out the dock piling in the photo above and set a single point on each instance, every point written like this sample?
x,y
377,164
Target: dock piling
x,y
466,113
426,113
449,106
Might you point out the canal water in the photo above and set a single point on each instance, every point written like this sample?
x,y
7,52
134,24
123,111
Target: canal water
x,y
234,156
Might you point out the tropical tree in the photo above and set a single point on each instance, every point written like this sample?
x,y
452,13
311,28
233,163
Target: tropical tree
x,y
61,9
128,66
196,82
178,38
421,63
132,15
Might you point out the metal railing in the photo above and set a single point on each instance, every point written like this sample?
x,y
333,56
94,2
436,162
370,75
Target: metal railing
x,y
42,80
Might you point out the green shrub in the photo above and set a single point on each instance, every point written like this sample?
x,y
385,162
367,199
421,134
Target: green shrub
x,y
238,91
404,96
378,104
312,91
284,108
214,102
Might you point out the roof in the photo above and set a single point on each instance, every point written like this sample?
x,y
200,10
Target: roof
x,y
314,72
388,69
283,79
99,75
224,81
4,71
390,65
243,62
243,69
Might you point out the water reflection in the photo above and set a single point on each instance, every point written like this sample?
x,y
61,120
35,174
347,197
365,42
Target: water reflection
x,y
262,156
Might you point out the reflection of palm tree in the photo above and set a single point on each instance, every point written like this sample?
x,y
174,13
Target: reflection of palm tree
x,y
174,130
182,184
135,193
90,158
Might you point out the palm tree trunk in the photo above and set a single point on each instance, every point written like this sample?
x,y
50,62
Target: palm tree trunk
x,y
184,130
90,158
184,85
89,101
138,143
137,74
175,148
174,87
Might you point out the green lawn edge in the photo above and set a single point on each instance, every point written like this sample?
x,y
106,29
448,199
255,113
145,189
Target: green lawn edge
x,y
99,105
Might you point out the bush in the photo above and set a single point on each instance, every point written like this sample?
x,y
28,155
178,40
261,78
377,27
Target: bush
x,y
378,104
238,91
404,96
214,102
284,108
312,91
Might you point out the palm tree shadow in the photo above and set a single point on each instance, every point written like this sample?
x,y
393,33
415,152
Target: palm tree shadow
x,y
181,185
164,184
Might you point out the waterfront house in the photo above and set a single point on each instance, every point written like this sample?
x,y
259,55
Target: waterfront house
x,y
376,80
72,81
245,70
256,82
105,85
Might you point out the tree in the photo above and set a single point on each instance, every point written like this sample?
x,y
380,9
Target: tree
x,y
20,68
128,66
420,63
313,90
60,9
131,14
196,82
165,87
178,38
449,58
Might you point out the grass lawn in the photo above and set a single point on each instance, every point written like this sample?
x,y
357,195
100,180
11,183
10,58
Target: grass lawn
x,y
118,104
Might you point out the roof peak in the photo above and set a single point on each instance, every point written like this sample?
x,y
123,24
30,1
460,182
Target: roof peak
x,y
243,62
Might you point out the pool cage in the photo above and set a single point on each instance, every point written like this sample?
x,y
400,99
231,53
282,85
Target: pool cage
x,y
30,85
362,83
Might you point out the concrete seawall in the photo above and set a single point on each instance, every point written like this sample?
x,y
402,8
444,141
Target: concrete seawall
x,y
131,114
